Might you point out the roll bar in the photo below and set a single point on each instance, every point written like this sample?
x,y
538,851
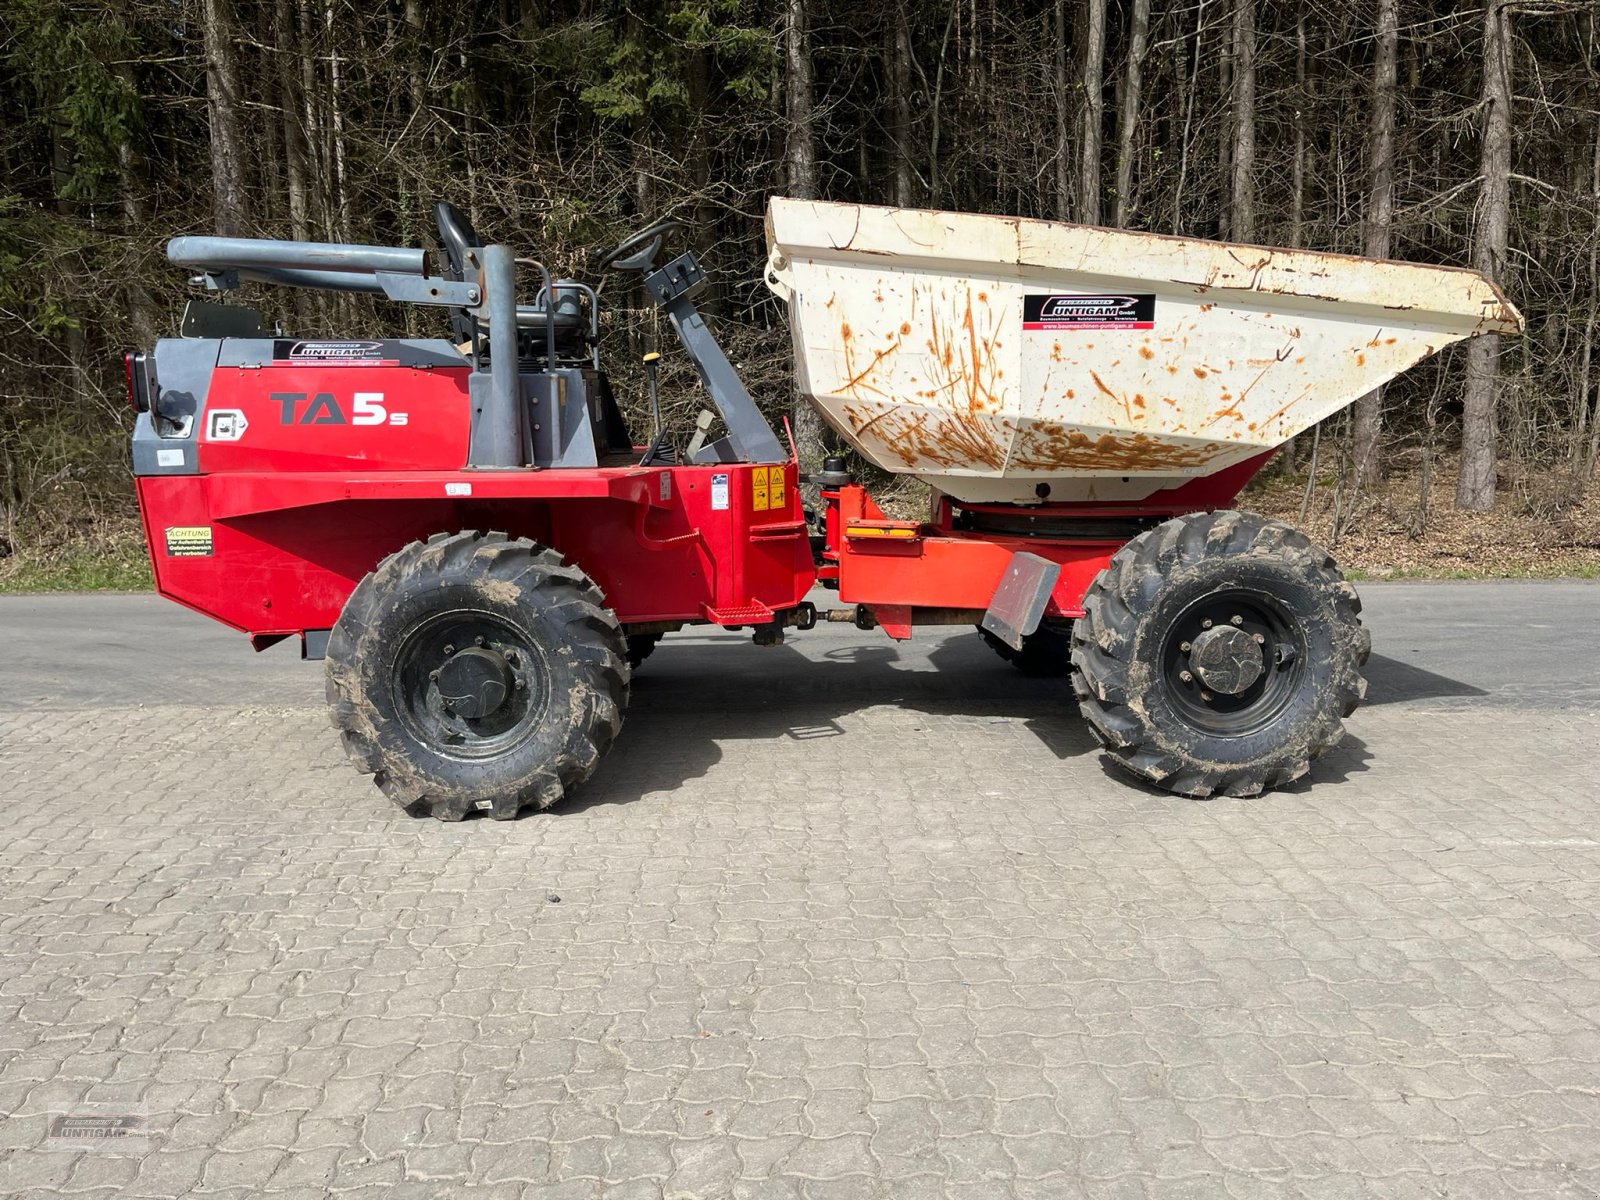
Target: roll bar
x,y
215,254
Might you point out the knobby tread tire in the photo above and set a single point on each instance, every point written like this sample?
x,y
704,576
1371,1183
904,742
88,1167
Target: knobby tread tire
x,y
1046,652
580,635
1115,648
641,646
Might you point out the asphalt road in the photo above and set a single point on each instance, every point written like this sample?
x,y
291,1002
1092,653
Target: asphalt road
x,y
1534,644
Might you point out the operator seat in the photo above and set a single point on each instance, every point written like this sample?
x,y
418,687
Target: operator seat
x,y
459,238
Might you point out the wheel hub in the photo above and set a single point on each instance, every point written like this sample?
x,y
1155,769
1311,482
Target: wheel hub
x,y
475,682
1227,659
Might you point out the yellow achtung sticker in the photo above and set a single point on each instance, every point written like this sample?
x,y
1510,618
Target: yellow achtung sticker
x,y
775,489
759,494
188,541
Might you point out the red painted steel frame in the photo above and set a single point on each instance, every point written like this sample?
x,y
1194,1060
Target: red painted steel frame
x,y
664,543
297,519
938,567
935,565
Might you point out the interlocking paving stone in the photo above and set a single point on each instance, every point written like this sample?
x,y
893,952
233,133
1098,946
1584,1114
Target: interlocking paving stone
x,y
839,919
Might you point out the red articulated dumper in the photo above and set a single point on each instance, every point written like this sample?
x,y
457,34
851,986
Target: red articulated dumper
x,y
483,552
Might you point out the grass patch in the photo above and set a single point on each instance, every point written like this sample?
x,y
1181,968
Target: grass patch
x,y
88,574
1575,569
110,560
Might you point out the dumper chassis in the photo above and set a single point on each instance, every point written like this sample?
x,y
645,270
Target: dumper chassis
x,y
468,533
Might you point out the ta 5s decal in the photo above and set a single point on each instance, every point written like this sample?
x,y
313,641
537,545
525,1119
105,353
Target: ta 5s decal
x,y
366,408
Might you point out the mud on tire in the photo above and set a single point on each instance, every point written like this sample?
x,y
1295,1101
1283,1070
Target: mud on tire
x,y
534,676
1141,632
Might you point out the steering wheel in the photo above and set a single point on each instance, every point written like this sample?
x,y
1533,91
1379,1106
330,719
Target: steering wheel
x,y
638,251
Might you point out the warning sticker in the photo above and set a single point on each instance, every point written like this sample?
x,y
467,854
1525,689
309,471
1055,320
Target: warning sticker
x,y
1054,312
719,491
758,489
188,541
775,489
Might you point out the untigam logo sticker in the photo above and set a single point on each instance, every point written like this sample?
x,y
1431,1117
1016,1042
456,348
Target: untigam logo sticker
x,y
1132,311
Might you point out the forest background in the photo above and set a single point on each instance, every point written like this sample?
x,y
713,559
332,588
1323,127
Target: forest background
x,y
1464,133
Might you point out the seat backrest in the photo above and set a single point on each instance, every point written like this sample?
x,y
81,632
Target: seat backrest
x,y
457,236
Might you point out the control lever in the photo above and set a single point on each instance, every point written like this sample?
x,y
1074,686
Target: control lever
x,y
650,361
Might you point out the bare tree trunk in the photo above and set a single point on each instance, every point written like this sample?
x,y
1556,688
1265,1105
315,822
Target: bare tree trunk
x,y
1584,460
317,204
79,358
222,107
336,129
1188,84
1128,110
1368,420
413,18
799,99
898,52
131,185
1063,91
1093,111
295,164
1476,485
141,309
812,437
1242,192
1297,169
698,160
936,117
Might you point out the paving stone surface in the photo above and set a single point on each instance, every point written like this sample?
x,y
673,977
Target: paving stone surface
x,y
840,919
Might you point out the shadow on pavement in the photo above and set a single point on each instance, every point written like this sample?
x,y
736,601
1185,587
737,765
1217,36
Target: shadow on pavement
x,y
1390,681
689,698
692,697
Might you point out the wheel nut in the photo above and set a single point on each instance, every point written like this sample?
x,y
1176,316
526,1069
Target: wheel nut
x,y
1206,624
1260,641
449,650
433,676
1236,619
1183,646
482,641
513,658
1185,676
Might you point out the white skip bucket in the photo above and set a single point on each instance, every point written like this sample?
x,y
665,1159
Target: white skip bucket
x,y
991,355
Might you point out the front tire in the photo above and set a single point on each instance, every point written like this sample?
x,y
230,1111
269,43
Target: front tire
x,y
476,672
1218,654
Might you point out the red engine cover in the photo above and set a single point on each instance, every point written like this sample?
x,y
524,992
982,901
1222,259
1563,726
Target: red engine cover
x,y
288,416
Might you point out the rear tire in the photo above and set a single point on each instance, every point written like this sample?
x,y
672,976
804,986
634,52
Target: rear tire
x,y
1219,653
475,672
1046,652
641,646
